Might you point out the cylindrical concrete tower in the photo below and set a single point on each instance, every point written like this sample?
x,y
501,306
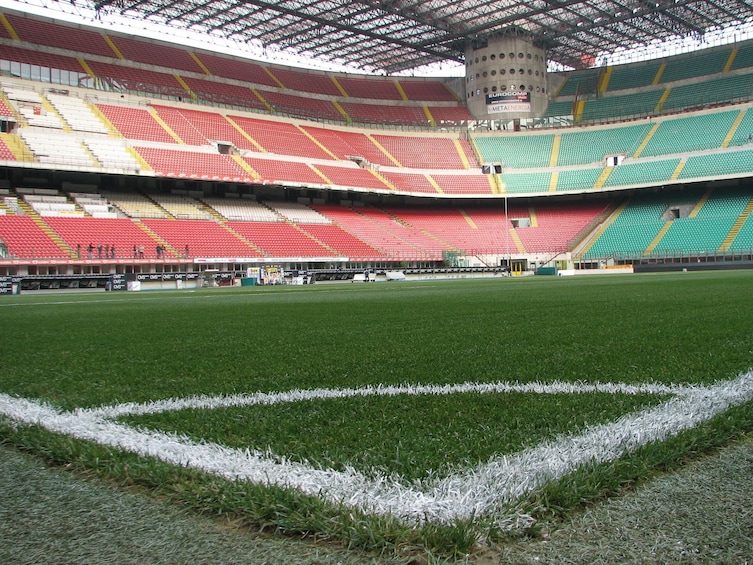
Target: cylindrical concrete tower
x,y
505,79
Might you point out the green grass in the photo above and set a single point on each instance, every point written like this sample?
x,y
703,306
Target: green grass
x,y
413,437
90,350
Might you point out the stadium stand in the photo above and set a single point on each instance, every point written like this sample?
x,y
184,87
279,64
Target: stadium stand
x,y
194,164
281,239
524,151
302,81
154,53
135,123
280,138
389,114
426,91
681,135
343,242
235,68
138,80
267,143
284,171
23,237
223,93
635,75
584,147
73,38
205,239
427,153
375,234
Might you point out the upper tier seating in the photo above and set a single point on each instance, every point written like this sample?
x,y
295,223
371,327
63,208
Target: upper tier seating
x,y
523,182
743,131
51,205
31,106
224,94
578,82
473,183
578,179
715,165
367,88
301,106
138,80
362,113
709,93
236,69
112,153
698,64
634,75
743,58
467,183
428,90
617,107
410,182
153,53
78,38
450,115
93,204
305,81
15,56
5,152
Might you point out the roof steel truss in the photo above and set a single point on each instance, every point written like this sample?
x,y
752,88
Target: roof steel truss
x,y
397,35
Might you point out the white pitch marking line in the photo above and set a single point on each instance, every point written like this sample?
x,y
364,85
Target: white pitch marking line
x,y
297,395
484,490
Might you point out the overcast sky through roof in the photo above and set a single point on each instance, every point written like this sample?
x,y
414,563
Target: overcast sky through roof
x,y
78,13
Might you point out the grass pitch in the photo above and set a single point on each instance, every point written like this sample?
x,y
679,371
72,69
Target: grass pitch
x,y
85,351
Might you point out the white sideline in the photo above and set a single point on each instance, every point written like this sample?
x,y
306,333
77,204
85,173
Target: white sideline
x,y
483,491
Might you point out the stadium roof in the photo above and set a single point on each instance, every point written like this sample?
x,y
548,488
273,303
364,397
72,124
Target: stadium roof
x,y
392,36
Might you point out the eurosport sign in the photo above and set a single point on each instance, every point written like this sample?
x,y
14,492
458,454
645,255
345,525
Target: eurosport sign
x,y
500,102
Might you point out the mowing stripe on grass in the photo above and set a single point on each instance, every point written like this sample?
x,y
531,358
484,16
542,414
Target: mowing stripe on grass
x,y
483,491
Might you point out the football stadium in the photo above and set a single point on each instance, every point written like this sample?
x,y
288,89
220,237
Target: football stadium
x,y
559,239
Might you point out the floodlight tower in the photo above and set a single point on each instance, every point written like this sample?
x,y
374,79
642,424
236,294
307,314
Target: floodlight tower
x,y
495,170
